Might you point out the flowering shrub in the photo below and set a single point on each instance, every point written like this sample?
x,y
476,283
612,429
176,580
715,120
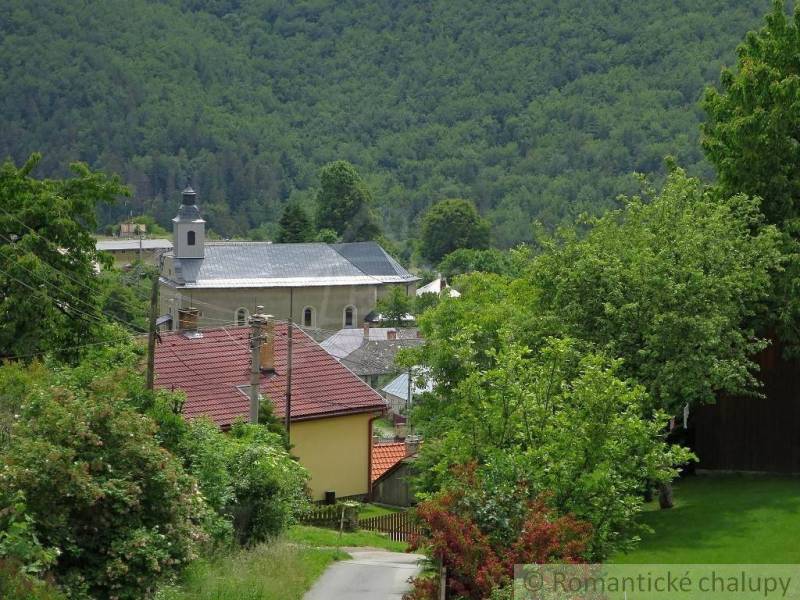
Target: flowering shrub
x,y
115,512
479,563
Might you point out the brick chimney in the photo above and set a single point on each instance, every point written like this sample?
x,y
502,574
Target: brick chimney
x,y
391,334
413,442
268,344
187,321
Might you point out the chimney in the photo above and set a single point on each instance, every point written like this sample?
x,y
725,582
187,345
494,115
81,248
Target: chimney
x,y
391,334
366,330
187,322
413,442
267,344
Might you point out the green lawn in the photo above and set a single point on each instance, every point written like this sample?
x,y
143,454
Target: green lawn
x,y
317,536
731,519
373,510
276,571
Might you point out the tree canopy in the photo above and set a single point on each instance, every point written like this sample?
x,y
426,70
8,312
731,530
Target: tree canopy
x,y
295,225
344,203
48,292
451,225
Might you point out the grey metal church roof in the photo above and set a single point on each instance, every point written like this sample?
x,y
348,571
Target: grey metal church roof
x,y
262,264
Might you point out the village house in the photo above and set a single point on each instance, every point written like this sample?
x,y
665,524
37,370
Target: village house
x,y
126,252
370,352
324,286
332,410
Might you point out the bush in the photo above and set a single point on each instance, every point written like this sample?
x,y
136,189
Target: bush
x,y
98,489
478,561
246,476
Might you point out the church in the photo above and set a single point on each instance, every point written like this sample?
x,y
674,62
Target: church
x,y
322,286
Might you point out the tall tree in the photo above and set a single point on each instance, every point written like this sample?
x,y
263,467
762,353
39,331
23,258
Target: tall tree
x,y
295,226
751,132
751,138
48,291
666,284
344,203
450,225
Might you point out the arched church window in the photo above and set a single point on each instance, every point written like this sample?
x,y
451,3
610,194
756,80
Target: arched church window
x,y
308,317
190,238
349,316
241,317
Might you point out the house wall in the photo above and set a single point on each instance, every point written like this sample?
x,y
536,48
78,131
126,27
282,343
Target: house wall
x,y
394,488
218,306
126,257
336,453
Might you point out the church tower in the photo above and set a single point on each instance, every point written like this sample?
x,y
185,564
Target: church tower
x,y
188,228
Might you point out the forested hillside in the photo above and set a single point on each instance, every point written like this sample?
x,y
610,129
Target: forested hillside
x,y
533,109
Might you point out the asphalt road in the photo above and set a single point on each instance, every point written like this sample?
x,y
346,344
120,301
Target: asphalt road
x,y
370,575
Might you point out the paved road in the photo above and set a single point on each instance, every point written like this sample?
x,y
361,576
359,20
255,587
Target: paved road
x,y
370,575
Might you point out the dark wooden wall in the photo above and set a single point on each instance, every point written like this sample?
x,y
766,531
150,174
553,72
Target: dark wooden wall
x,y
754,434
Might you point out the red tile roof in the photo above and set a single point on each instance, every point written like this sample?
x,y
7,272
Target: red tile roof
x,y
385,456
209,369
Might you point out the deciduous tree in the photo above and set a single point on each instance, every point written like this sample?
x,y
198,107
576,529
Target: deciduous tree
x,y
450,225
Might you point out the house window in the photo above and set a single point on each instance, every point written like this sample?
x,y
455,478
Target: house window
x,y
349,316
241,317
308,317
190,238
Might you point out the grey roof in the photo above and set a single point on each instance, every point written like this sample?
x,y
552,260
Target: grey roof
x,y
111,245
263,264
399,386
346,341
376,357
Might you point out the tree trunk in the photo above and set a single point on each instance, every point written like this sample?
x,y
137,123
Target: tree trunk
x,y
665,495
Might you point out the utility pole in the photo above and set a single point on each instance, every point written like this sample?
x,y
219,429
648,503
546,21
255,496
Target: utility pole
x,y
151,332
255,364
289,344
408,402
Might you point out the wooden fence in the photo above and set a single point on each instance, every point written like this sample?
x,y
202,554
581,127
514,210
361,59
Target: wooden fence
x,y
399,526
323,516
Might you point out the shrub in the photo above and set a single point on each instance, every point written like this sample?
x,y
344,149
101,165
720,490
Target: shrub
x,y
477,561
98,488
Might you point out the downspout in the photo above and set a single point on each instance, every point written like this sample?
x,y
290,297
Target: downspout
x,y
369,453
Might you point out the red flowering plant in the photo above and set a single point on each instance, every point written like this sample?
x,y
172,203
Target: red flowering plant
x,y
478,559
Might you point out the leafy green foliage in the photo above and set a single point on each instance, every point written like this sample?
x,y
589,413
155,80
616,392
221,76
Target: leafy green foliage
x,y
490,260
665,284
551,421
295,225
246,476
395,306
750,138
48,292
750,133
450,225
344,203
117,508
531,109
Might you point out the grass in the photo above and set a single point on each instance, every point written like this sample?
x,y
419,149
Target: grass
x,y
373,510
276,571
730,519
317,536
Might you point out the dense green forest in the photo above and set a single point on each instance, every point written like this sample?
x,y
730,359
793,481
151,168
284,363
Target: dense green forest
x,y
533,109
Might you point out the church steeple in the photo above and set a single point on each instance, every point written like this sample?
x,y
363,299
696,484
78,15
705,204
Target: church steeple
x,y
188,227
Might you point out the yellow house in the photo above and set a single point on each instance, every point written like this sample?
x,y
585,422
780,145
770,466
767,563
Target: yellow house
x,y
332,410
